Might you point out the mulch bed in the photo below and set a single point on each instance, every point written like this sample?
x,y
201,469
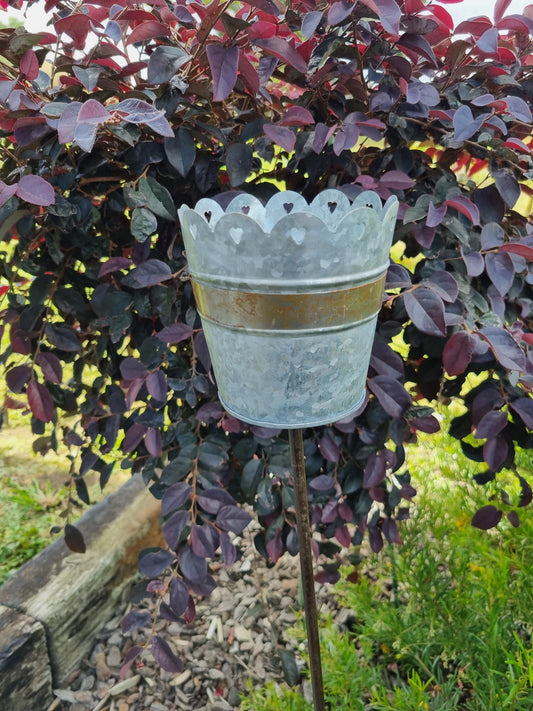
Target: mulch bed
x,y
236,636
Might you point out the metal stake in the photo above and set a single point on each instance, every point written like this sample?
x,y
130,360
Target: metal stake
x,y
306,565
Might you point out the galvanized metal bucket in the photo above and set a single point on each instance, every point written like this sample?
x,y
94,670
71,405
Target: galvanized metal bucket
x,y
288,294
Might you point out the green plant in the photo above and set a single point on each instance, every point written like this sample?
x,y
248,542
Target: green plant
x,y
268,699
102,140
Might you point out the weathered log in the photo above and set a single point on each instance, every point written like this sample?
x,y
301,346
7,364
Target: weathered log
x,y
72,595
25,674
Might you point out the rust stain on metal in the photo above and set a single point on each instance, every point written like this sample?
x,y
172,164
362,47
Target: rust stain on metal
x,y
296,311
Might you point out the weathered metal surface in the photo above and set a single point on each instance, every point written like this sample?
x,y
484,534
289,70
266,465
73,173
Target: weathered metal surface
x,y
289,294
270,311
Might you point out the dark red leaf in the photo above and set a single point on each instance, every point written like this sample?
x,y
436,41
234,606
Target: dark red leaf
x,y
526,492
506,350
426,311
133,437
328,576
385,361
175,333
274,547
425,424
233,518
458,352
488,42
507,185
487,517
513,519
474,263
156,384
74,539
445,285
297,116
339,11
310,22
281,49
342,534
164,62
130,657
500,7
152,441
322,135
132,368
163,654
229,552
179,596
174,497
77,26
29,65
281,135
134,620
153,563
322,482
390,531
524,250
375,470
202,351
238,163
149,273
203,542
518,108
390,14
392,396
417,44
346,138
36,190
375,538
147,31
40,401
211,500
396,180
495,451
173,528
465,207
329,447
17,377
114,264
501,271
193,567
492,235
523,406
224,63
491,424
50,366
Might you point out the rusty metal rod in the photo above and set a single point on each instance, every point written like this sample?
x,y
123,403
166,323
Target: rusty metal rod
x,y
306,565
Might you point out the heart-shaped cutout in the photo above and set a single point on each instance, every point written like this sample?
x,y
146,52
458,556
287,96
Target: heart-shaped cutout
x,y
325,263
297,234
287,206
208,215
236,234
245,209
332,207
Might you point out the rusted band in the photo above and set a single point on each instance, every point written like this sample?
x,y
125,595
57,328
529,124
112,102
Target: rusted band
x,y
271,311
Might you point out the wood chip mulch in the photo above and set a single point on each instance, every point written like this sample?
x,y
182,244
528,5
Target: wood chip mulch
x,y
235,638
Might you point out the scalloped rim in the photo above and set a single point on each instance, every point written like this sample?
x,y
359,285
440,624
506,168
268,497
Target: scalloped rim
x,y
287,203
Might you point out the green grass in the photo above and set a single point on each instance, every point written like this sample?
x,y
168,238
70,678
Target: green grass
x,y
442,623
34,491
